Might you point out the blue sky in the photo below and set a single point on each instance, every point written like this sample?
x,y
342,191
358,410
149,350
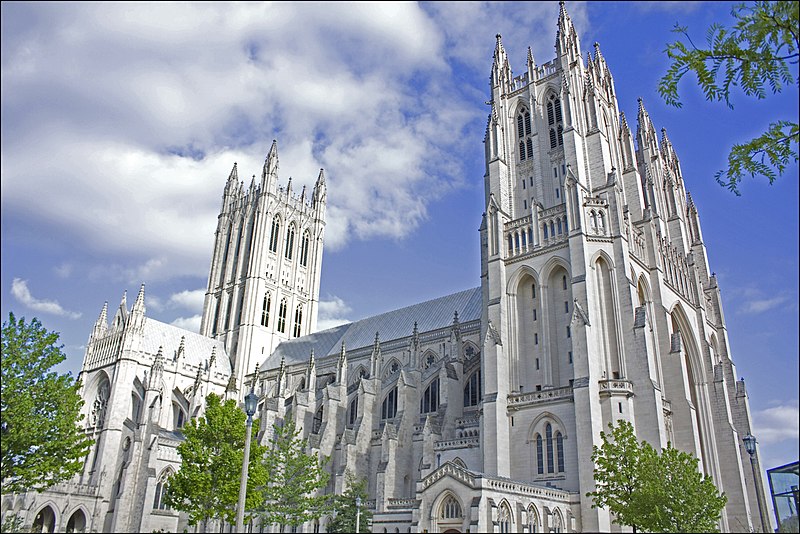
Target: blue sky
x,y
121,122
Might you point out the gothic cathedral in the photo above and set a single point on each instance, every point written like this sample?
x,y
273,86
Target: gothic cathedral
x,y
472,412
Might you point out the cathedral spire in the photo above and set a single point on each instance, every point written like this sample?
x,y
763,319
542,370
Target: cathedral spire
x,y
281,377
311,372
666,147
101,325
598,56
157,370
233,177
229,194
121,317
645,132
501,70
375,358
320,192
341,366
138,305
566,36
269,174
531,66
138,310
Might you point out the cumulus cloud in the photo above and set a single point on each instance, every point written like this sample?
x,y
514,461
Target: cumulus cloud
x,y
20,291
188,323
332,313
189,300
777,423
142,121
214,90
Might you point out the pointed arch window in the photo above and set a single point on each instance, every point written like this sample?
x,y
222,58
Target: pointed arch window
x,y
298,320
352,413
100,404
178,415
560,452
304,248
265,309
539,455
548,433
555,122
161,491
317,423
389,405
430,398
282,316
289,242
504,519
450,508
524,134
533,521
274,236
472,390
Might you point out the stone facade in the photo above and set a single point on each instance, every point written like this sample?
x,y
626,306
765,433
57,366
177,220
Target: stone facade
x,y
476,411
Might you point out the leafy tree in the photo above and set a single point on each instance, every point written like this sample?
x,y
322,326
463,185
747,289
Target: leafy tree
x,y
13,524
206,486
653,492
345,506
683,500
758,54
618,474
42,443
290,497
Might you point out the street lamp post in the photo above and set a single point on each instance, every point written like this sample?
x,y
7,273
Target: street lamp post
x,y
750,446
250,401
358,514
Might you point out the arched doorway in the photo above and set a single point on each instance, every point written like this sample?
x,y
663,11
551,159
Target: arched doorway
x,y
77,522
45,521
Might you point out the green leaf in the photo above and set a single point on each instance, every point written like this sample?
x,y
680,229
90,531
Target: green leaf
x,y
760,56
42,442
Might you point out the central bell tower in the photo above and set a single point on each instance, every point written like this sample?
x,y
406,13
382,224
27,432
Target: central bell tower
x,y
263,285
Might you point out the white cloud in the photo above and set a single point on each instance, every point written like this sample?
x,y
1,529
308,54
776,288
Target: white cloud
x,y
777,423
332,313
142,125
189,300
761,305
188,323
19,288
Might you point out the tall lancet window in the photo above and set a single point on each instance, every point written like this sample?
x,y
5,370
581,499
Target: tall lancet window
x,y
289,242
304,249
274,236
555,122
265,309
524,134
282,316
298,320
548,432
